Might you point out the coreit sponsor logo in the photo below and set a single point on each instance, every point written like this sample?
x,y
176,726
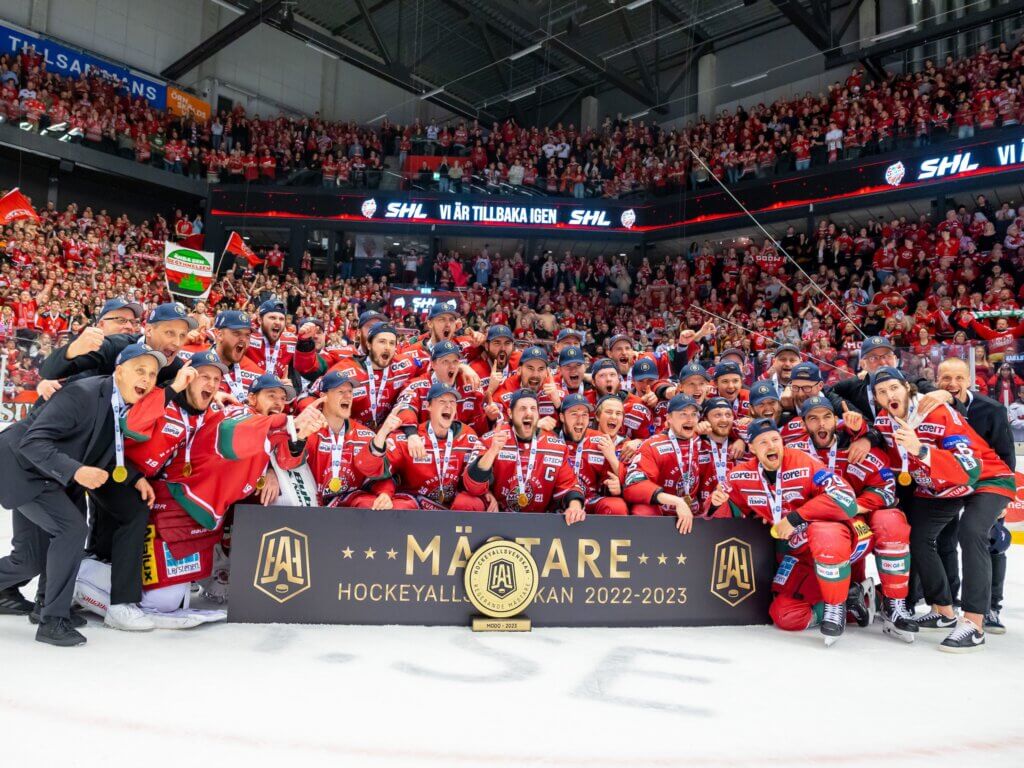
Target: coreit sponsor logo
x,y
628,218
586,218
948,165
894,174
369,208
405,211
793,474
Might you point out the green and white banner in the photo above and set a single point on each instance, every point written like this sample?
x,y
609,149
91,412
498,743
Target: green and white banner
x,y
189,272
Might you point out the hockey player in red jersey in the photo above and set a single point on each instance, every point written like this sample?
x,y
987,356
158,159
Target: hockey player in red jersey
x,y
951,468
765,401
728,379
874,484
379,377
533,374
652,391
445,367
572,368
434,481
331,451
271,347
525,469
715,451
592,457
662,477
313,358
498,360
636,419
443,324
232,330
694,382
811,511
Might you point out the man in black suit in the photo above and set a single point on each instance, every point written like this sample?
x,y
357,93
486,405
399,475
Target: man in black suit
x,y
76,443
990,420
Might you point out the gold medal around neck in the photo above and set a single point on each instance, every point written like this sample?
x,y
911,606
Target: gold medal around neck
x,y
523,500
904,478
335,484
120,474
186,471
261,483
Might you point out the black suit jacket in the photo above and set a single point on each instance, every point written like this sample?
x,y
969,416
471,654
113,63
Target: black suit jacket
x,y
990,420
101,362
855,391
76,428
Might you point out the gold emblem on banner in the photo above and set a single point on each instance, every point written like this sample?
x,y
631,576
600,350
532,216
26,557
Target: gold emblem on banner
x,y
282,570
501,581
732,574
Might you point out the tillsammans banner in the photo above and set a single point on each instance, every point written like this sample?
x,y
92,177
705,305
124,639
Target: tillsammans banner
x,y
189,272
359,566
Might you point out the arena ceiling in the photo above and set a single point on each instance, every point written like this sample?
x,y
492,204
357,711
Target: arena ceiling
x,y
493,58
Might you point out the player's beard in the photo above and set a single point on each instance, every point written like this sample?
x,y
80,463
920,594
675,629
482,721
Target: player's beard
x,y
199,397
575,432
822,438
231,354
380,361
717,432
525,431
272,333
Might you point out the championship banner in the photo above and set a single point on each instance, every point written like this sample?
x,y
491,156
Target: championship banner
x,y
360,566
189,273
185,104
420,300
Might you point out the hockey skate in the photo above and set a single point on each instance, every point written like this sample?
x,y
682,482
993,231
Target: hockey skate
x,y
833,622
185,618
860,602
896,619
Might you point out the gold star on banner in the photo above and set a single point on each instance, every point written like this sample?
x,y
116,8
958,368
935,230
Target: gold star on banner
x,y
370,553
662,559
681,559
347,552
643,559
391,554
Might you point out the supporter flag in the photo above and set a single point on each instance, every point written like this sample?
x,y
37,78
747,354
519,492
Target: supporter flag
x,y
15,206
195,242
236,247
189,273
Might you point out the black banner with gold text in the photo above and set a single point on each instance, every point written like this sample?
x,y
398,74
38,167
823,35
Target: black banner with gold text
x,y
359,566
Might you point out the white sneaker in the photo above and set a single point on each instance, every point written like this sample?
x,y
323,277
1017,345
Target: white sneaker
x,y
129,617
185,618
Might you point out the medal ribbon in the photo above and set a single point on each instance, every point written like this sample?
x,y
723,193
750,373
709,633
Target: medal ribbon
x,y
721,460
237,387
832,455
520,479
271,359
775,499
117,405
687,476
904,456
442,469
375,394
337,446
190,434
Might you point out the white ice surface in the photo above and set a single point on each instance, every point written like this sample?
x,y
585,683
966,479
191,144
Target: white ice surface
x,y
227,695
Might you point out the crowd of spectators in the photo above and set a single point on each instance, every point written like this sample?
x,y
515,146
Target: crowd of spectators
x,y
910,281
853,118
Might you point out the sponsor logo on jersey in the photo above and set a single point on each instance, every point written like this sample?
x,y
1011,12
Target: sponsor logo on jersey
x,y
743,475
424,460
793,474
931,429
757,499
595,458
282,568
173,430
665,448
174,567
821,476
788,496
552,461
507,455
953,441
785,569
635,477
826,571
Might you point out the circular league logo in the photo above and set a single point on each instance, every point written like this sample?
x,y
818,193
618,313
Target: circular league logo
x,y
501,579
628,218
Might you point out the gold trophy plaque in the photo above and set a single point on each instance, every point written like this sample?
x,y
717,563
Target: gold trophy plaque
x,y
501,582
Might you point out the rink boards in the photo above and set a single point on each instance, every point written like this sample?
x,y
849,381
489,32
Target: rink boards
x,y
359,566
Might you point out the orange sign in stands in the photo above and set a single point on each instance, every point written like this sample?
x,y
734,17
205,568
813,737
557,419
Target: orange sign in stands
x,y
186,105
16,409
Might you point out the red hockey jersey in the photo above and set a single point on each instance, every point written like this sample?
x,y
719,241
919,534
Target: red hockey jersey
x,y
662,464
589,464
263,353
414,407
637,419
374,398
320,451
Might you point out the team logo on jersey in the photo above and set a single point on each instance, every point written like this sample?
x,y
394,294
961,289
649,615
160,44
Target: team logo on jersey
x,y
732,575
282,570
173,430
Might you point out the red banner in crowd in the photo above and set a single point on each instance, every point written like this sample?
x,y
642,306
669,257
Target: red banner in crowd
x,y
236,246
16,409
14,206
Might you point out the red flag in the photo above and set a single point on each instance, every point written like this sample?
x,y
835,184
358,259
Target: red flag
x,y
236,247
195,242
15,206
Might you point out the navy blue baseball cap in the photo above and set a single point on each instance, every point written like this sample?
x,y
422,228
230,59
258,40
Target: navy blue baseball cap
x,y
871,343
763,390
270,381
887,373
734,352
817,401
570,356
133,351
533,353
644,369
499,332
112,305
715,402
233,319
521,394
442,308
806,372
759,427
378,328
314,320
371,316
999,538
437,389
173,310
611,342
574,400
603,364
335,379
207,358
271,305
726,369
566,333
681,402
786,348
693,369
445,348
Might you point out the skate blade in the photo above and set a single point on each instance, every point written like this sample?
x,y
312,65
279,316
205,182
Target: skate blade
x,y
901,634
831,640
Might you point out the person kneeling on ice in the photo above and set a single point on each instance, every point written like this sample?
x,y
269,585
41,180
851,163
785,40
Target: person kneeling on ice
x,y
221,460
880,527
810,509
